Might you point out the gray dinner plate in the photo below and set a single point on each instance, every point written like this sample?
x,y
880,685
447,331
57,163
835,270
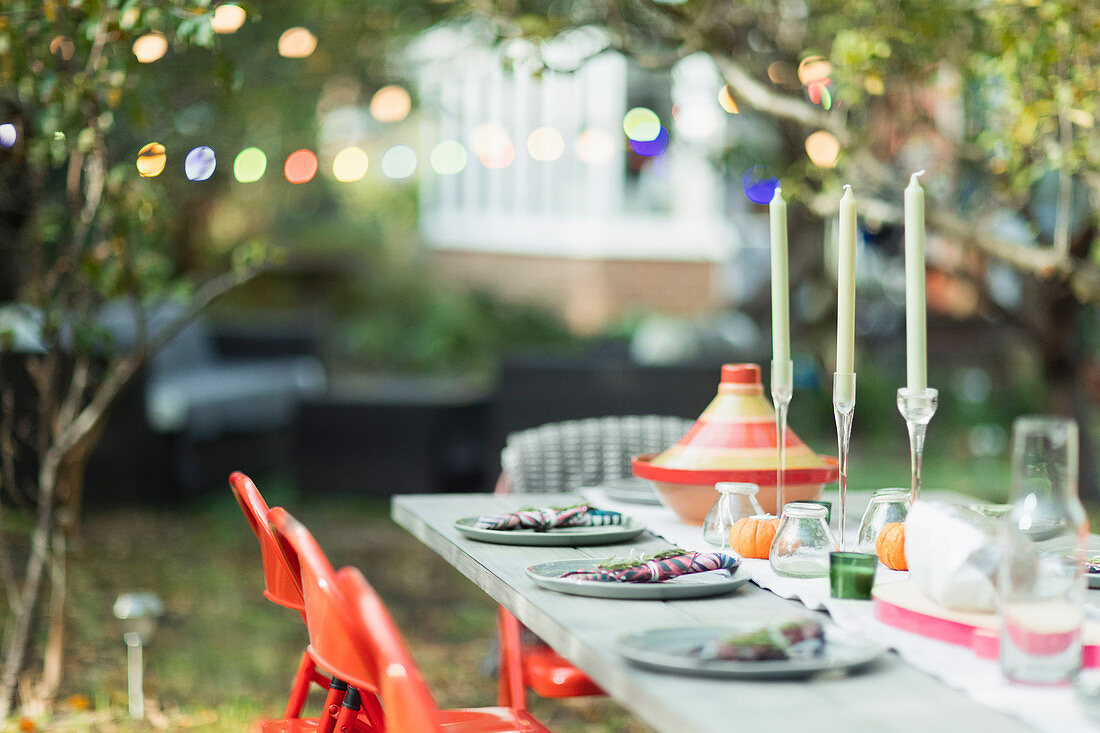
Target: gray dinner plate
x,y
632,491
668,650
1094,580
693,585
564,537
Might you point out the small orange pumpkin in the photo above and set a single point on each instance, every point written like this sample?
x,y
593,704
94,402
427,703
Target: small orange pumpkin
x,y
752,536
890,546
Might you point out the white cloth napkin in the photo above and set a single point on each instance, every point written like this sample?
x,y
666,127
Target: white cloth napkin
x,y
1048,709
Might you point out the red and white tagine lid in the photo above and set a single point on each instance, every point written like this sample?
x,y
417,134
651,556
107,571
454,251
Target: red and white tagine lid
x,y
734,440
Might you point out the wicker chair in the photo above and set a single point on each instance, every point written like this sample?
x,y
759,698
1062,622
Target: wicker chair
x,y
563,456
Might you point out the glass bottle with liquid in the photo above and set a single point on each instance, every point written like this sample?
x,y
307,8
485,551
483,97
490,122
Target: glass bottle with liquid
x,y
1042,582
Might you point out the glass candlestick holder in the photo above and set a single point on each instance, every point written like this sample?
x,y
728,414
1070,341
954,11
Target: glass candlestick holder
x,y
844,407
917,406
782,390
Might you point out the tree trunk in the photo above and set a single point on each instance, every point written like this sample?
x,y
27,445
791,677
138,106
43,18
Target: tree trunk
x,y
18,637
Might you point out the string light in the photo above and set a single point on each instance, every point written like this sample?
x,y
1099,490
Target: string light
x,y
297,43
227,18
200,163
300,166
350,164
150,47
250,165
151,159
390,104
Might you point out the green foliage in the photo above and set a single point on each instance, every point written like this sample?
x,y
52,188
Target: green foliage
x,y
412,324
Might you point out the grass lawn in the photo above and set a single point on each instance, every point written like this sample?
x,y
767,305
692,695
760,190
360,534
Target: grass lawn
x,y
224,655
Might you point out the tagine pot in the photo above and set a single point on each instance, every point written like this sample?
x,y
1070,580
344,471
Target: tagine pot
x,y
733,440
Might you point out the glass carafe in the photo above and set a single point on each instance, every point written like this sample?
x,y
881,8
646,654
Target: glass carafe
x,y
802,542
887,505
735,501
1041,582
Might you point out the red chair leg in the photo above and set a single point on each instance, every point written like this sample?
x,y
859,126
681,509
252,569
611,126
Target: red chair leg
x,y
337,691
510,688
299,689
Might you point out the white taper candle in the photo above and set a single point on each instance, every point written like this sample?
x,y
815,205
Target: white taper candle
x,y
916,339
846,286
781,315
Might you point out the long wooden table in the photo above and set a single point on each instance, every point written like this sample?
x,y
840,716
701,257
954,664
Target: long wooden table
x,y
890,695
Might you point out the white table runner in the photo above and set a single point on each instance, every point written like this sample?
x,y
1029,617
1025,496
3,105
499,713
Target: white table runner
x,y
1053,709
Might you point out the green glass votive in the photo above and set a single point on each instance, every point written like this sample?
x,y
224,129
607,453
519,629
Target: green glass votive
x,y
852,574
828,509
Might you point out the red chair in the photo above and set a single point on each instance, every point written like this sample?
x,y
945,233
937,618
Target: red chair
x,y
282,585
352,635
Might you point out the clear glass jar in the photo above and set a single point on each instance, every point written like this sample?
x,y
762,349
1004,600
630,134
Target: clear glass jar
x,y
1042,582
887,505
735,501
802,542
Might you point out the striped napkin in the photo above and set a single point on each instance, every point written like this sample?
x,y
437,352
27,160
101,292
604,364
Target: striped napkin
x,y
655,568
541,520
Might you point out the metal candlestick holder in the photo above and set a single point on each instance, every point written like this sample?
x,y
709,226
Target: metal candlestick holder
x,y
782,383
917,406
844,407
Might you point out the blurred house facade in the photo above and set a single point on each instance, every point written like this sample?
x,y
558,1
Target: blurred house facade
x,y
553,206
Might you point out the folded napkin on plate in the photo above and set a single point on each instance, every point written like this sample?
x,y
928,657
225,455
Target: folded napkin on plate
x,y
655,568
540,520
776,641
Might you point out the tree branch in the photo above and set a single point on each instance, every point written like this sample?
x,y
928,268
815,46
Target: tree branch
x,y
124,367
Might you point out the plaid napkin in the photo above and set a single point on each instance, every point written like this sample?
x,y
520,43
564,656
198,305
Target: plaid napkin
x,y
541,520
655,568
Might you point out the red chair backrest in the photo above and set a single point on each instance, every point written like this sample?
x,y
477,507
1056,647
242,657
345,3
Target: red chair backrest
x,y
333,641
408,705
283,585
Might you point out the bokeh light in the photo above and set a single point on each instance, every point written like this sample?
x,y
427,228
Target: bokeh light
x,y
8,135
641,124
595,147
63,47
250,165
818,93
545,143
301,166
696,119
489,139
227,18
448,158
350,164
823,149
200,163
297,43
814,68
500,157
725,99
651,148
151,159
399,162
759,184
390,104
150,47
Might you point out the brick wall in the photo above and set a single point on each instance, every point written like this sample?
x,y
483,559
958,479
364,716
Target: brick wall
x,y
588,294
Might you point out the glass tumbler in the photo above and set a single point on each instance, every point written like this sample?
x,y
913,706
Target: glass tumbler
x,y
887,505
803,542
735,501
1042,583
